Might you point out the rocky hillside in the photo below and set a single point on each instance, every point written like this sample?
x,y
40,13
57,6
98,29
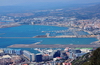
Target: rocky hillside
x,y
92,58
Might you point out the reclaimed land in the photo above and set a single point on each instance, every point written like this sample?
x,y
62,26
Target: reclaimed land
x,y
49,46
62,36
52,46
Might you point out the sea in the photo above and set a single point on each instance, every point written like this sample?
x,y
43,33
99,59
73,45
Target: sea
x,y
34,30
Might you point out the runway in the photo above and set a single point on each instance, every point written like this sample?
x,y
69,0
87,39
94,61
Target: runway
x,y
50,46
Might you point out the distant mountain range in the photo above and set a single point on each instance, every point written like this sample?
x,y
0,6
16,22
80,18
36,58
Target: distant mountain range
x,y
89,12
79,11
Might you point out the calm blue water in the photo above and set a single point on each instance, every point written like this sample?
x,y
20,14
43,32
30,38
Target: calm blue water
x,y
33,30
6,42
28,30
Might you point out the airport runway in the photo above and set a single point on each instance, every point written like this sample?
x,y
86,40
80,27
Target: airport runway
x,y
50,46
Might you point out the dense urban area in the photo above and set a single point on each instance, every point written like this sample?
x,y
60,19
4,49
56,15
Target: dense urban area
x,y
43,57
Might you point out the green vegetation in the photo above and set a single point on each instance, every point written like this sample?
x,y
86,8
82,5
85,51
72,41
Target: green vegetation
x,y
84,48
92,58
95,58
81,60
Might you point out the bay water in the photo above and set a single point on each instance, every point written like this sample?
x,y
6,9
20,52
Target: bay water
x,y
34,30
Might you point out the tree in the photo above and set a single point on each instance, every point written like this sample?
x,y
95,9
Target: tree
x,y
95,58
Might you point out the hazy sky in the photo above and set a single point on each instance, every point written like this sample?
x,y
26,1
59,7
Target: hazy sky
x,y
27,2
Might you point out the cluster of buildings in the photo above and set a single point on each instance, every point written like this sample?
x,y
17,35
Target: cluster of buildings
x,y
44,57
6,19
54,57
10,56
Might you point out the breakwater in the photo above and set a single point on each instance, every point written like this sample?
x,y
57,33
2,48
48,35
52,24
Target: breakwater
x,y
61,36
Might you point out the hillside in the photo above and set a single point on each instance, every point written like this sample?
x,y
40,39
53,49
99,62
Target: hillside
x,y
89,58
81,60
89,12
77,11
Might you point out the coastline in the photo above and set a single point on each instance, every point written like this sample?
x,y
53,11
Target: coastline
x,y
62,36
10,25
17,24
